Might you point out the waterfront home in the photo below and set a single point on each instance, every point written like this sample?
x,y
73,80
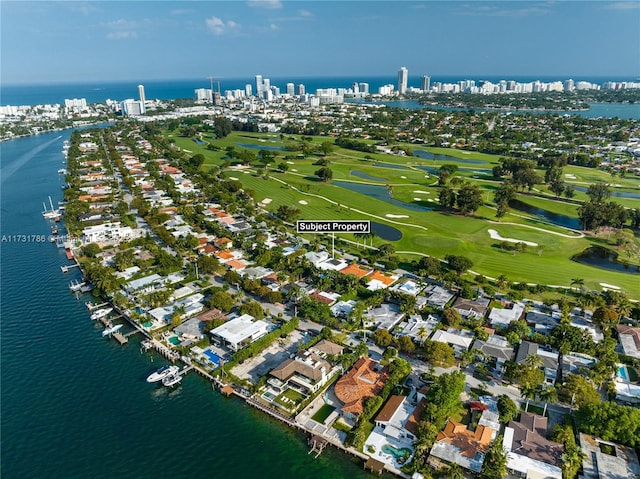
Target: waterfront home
x,y
529,453
364,380
111,233
547,355
305,372
629,340
607,460
393,432
459,445
240,331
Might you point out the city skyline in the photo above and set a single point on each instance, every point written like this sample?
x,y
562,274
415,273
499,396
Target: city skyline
x,y
119,41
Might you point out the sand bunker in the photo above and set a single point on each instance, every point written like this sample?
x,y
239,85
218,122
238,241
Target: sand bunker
x,y
417,199
290,162
570,176
293,169
396,216
420,192
233,178
403,177
609,286
495,235
303,202
266,201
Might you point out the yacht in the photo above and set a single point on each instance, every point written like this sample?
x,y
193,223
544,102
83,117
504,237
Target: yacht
x,y
111,330
101,313
171,380
162,373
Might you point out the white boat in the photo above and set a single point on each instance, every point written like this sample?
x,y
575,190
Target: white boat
x,y
101,313
171,380
111,330
51,214
162,373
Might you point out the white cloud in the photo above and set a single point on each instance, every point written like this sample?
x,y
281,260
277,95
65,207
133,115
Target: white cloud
x,y
219,27
273,26
121,35
495,11
622,6
268,4
305,13
121,24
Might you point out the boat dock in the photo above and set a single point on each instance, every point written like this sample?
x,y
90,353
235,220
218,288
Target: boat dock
x,y
67,268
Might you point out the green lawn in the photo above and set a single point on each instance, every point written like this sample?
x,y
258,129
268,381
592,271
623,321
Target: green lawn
x,y
436,232
323,413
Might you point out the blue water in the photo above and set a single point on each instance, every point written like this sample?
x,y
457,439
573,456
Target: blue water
x,y
260,147
554,218
627,111
379,192
622,373
614,192
212,356
75,405
366,176
390,165
435,156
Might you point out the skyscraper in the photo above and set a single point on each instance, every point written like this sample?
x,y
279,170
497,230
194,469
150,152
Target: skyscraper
x,y
141,93
258,85
425,84
301,89
403,78
290,89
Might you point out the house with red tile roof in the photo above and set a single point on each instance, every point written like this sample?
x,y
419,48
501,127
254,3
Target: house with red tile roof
x,y
364,380
458,444
356,270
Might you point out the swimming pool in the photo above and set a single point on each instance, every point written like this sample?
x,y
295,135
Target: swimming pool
x,y
175,340
213,357
622,373
395,452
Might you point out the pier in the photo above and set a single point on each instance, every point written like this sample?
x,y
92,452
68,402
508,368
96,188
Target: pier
x,y
67,268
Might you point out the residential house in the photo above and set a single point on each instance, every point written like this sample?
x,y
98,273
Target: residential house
x,y
417,328
495,348
460,445
529,453
342,309
607,460
324,348
471,308
629,338
380,280
549,359
437,296
458,339
305,372
386,316
240,331
365,379
502,317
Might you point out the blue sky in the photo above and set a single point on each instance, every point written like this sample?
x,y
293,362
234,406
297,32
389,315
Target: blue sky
x,y
43,42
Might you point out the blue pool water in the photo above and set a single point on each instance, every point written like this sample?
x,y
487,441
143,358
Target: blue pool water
x,y
622,373
213,357
395,452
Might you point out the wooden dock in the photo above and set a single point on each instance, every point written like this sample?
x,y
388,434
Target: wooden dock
x,y
120,338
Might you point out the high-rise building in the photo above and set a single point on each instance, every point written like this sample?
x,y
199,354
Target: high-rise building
x,y
301,89
258,85
203,94
141,93
290,89
247,89
425,84
364,88
132,107
403,79
569,85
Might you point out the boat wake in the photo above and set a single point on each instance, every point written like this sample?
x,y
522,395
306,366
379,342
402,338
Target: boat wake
x,y
9,170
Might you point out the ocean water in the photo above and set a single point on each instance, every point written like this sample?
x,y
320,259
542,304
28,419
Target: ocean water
x,y
75,404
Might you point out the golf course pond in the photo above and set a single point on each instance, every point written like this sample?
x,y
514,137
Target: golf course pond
x,y
379,192
604,258
386,232
554,218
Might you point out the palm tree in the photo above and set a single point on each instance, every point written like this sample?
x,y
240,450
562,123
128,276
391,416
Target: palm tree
x,y
528,392
502,281
422,334
579,282
454,472
623,307
548,394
